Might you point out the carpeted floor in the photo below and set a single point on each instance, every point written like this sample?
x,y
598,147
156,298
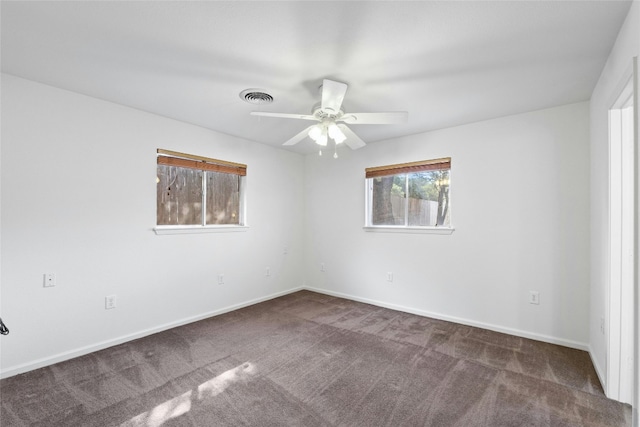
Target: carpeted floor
x,y
308,359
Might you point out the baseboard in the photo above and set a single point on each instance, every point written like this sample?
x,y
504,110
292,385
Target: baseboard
x,y
61,357
599,372
462,321
40,363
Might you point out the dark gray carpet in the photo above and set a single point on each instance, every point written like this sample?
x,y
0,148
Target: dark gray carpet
x,y
308,359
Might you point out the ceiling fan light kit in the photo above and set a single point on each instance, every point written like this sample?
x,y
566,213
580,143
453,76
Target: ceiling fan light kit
x,y
336,134
327,128
332,119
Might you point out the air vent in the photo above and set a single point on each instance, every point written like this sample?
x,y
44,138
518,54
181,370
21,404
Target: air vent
x,y
256,96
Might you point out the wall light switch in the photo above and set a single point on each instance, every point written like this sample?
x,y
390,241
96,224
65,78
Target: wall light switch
x,y
389,276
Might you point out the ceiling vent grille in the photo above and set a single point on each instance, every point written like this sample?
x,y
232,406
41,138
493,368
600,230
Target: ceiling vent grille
x,y
256,96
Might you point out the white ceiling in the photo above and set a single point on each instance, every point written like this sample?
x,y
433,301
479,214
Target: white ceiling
x,y
447,63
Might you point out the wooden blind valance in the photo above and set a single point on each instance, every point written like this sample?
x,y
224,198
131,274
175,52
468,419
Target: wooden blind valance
x,y
173,158
422,166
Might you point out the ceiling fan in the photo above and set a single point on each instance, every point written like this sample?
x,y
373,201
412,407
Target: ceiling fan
x,y
331,119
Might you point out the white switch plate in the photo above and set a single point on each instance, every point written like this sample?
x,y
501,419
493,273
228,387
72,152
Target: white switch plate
x,y
49,280
322,266
220,279
268,272
389,276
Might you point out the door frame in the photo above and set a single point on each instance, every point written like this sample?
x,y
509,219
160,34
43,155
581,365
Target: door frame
x,y
622,294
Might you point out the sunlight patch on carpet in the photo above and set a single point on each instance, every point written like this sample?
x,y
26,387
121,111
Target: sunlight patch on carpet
x,y
180,405
172,408
220,383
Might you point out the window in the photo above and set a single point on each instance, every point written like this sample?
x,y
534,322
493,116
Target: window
x,y
409,195
194,191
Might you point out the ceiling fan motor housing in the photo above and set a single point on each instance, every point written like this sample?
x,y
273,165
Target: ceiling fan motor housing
x,y
322,114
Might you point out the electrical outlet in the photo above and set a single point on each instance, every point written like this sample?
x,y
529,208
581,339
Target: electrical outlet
x,y
49,280
267,272
285,251
322,266
389,276
109,302
220,279
534,297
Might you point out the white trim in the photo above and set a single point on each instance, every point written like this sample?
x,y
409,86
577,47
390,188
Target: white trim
x,y
599,371
636,267
197,229
402,229
622,210
516,332
61,357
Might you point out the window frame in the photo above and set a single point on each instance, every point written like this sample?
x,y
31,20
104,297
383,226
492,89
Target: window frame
x,y
403,169
205,164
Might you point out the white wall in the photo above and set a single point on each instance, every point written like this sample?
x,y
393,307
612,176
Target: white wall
x,y
79,200
620,60
520,206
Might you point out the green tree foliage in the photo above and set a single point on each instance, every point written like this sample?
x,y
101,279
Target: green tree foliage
x,y
398,188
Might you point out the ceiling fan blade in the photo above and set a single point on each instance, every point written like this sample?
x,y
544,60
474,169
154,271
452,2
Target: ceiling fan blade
x,y
353,141
388,118
284,115
333,95
299,137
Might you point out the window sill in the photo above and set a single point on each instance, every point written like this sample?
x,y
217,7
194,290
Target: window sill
x,y
415,230
198,229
